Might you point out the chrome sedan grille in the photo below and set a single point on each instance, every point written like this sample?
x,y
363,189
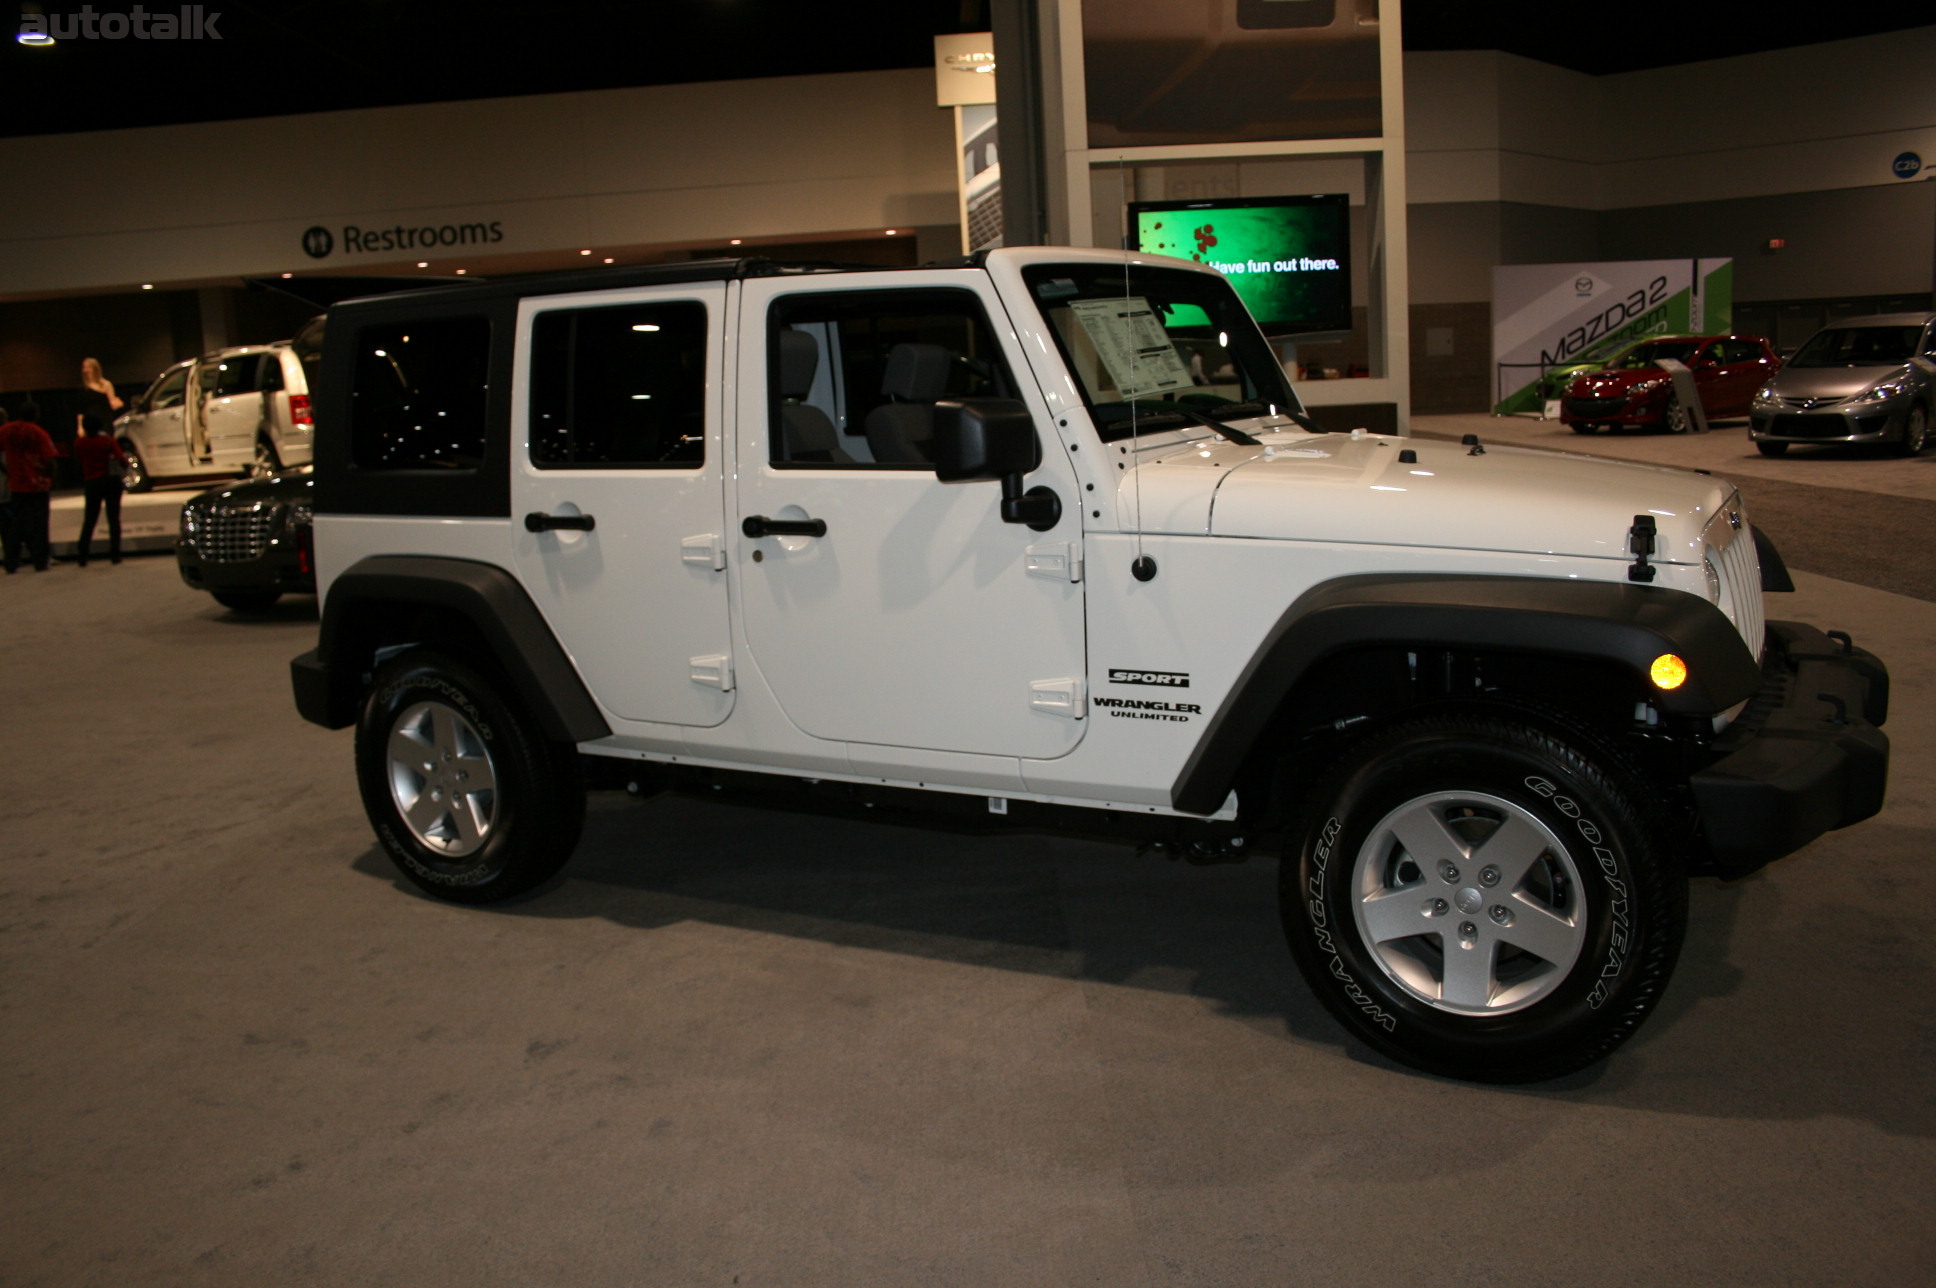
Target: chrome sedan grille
x,y
235,536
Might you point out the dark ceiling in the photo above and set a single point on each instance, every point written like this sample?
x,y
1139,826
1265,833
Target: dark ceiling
x,y
282,56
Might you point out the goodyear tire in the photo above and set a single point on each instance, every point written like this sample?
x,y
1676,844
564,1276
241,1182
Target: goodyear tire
x,y
1480,896
467,796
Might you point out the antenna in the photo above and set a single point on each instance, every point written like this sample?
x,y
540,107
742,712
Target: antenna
x,y
1142,567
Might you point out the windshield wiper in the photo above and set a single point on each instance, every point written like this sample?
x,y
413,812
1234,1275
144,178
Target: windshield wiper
x,y
1230,432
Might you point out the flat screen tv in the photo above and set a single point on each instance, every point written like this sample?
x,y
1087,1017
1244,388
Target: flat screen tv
x,y
1288,257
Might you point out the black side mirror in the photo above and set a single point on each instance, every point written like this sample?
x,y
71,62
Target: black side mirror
x,y
982,438
994,438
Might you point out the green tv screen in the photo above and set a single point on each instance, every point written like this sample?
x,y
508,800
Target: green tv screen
x,y
1288,257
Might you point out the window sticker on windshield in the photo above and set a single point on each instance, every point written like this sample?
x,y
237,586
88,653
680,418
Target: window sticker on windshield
x,y
1133,346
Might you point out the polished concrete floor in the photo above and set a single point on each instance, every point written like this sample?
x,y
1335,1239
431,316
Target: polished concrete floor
x,y
734,1046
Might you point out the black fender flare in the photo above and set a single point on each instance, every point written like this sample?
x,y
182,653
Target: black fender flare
x,y
1606,621
329,680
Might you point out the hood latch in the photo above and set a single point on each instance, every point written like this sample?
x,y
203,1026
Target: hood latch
x,y
1640,544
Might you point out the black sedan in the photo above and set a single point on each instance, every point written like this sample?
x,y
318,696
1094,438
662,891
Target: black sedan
x,y
250,543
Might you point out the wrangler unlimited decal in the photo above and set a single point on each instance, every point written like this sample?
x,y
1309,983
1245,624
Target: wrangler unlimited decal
x,y
1141,709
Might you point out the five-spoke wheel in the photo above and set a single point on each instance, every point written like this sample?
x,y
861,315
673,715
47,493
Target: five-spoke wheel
x,y
441,779
467,794
1468,902
1485,894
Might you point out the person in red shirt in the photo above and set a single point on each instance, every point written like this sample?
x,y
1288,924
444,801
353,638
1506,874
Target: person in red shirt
x,y
28,453
96,452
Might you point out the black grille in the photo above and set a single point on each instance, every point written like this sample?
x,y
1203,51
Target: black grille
x,y
1792,425
232,538
1588,408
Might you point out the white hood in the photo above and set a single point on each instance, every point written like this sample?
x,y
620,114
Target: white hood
x,y
1344,488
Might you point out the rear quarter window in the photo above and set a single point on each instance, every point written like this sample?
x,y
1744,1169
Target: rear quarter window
x,y
419,393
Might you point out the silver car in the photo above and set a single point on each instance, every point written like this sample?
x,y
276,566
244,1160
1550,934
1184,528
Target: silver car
x,y
1862,380
228,413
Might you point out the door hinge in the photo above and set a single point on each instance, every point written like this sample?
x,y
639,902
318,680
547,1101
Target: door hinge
x,y
1056,560
707,550
715,671
1064,697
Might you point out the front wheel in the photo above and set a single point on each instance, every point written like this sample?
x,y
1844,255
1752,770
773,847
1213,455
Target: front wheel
x,y
467,795
1675,416
1767,448
1584,427
1481,897
137,478
1915,432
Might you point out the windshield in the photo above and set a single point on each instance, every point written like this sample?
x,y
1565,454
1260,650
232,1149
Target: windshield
x,y
1645,355
1144,341
1859,346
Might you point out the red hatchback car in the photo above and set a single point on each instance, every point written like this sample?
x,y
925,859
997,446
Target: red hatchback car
x,y
1727,370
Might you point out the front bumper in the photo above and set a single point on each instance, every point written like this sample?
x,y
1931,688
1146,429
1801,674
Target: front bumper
x,y
280,567
1638,409
1807,755
1868,423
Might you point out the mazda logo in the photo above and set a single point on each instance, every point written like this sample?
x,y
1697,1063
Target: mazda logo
x,y
318,243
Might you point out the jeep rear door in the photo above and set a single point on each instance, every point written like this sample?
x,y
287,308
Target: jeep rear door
x,y
881,605
616,494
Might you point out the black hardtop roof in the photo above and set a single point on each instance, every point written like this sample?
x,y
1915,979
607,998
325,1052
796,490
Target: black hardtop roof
x,y
478,290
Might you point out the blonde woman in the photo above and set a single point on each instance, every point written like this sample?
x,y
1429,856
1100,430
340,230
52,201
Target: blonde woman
x,y
101,399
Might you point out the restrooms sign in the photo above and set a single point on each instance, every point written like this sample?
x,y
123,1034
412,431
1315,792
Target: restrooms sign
x,y
1546,316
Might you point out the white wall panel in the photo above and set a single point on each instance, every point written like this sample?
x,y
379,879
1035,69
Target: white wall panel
x,y
787,156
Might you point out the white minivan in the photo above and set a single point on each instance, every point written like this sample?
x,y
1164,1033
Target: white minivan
x,y
235,411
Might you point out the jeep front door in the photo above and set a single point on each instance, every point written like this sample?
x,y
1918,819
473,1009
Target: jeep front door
x,y
881,605
618,529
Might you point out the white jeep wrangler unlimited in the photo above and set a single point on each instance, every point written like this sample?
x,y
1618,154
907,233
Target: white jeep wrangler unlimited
x,y
1047,535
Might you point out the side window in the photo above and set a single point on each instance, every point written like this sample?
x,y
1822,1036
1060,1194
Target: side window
x,y
619,387
271,372
854,376
418,400
231,376
170,391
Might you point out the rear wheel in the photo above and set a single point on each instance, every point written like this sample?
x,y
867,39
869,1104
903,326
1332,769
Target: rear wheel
x,y
1484,897
467,795
266,462
1772,449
